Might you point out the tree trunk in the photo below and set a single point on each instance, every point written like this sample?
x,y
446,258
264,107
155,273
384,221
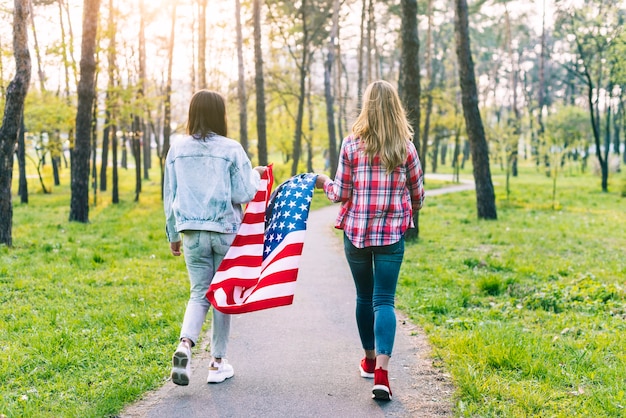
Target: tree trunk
x,y
104,158
136,148
330,100
40,72
303,69
110,97
12,118
144,140
115,191
202,43
485,196
541,93
241,84
21,161
261,124
359,85
431,86
94,143
410,84
516,121
167,112
368,42
66,63
309,138
79,205
70,41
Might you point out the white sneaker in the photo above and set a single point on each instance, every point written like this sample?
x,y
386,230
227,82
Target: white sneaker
x,y
218,372
181,364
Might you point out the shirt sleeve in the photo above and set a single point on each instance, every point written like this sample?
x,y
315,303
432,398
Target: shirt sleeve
x,y
169,193
415,178
340,190
245,181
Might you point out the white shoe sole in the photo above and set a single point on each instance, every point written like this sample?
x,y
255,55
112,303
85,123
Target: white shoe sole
x,y
366,374
180,368
219,377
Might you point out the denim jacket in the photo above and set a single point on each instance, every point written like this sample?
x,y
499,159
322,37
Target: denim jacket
x,y
206,182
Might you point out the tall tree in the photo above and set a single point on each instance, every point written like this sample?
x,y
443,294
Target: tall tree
x,y
12,118
40,73
202,43
241,84
145,138
261,123
110,95
302,26
79,205
409,85
328,77
362,42
485,196
167,108
66,63
429,61
21,161
595,30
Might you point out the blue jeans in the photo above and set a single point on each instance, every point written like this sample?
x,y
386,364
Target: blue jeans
x,y
375,272
204,251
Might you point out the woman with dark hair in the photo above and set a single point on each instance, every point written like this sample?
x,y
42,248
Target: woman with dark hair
x,y
379,182
208,176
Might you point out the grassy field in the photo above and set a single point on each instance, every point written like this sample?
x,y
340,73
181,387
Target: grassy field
x,y
526,313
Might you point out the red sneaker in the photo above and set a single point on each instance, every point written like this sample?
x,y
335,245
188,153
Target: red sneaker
x,y
367,367
381,389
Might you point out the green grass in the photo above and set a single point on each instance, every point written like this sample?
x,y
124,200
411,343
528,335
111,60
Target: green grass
x,y
526,313
89,313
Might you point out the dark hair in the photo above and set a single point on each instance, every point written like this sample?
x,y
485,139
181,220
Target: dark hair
x,y
207,113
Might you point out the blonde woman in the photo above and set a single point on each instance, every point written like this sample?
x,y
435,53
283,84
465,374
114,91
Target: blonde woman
x,y
379,182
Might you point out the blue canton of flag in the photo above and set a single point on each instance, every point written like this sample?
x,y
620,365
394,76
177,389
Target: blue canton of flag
x,y
288,209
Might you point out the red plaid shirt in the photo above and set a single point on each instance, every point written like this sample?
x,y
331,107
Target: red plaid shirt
x,y
376,207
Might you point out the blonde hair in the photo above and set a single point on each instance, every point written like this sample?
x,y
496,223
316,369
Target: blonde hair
x,y
382,125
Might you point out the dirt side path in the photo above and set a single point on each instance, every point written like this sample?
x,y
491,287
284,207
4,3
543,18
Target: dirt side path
x,y
302,360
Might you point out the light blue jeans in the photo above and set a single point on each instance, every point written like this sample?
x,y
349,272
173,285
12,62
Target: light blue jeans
x,y
204,251
375,272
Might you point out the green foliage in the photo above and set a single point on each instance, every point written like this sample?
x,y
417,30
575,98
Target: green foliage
x,y
47,112
526,313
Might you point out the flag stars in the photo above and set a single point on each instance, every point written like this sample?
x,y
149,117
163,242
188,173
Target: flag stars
x,y
291,225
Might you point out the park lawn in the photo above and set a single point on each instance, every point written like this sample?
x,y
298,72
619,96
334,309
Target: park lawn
x,y
526,313
89,313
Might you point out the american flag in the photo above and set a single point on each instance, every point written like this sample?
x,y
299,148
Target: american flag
x,y
260,269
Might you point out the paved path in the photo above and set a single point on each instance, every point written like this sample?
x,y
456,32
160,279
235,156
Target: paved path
x,y
302,360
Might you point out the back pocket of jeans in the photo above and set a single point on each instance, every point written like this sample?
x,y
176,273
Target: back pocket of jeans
x,y
191,239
